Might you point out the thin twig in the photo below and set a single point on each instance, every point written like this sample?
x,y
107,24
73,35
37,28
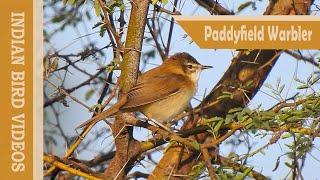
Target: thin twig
x,y
68,168
207,160
64,92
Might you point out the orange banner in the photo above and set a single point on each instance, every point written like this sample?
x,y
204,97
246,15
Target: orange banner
x,y
16,72
260,32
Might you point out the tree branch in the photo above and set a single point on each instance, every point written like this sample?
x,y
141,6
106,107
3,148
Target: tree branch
x,y
128,77
75,171
214,7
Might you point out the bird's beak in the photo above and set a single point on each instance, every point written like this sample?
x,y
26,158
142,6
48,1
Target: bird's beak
x,y
206,67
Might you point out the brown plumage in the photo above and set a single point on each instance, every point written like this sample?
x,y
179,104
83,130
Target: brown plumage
x,y
160,93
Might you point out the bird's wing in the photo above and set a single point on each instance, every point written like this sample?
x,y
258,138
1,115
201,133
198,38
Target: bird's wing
x,y
152,89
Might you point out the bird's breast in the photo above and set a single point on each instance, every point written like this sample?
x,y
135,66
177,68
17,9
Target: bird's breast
x,y
168,108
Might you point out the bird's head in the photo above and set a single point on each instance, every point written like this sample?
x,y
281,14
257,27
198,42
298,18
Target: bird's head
x,y
185,64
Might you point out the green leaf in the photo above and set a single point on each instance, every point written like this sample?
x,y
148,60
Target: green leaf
x,y
96,107
244,5
247,111
72,2
315,79
217,127
233,155
249,84
122,7
248,126
214,119
223,97
103,30
262,152
233,110
266,124
195,145
289,165
285,136
244,174
246,51
89,94
58,18
247,171
154,1
226,95
240,117
97,25
113,4
268,85
305,86
164,1
64,2
97,7
281,88
268,114
228,118
299,80
197,170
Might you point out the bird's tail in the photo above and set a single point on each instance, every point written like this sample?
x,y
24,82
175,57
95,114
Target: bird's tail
x,y
109,112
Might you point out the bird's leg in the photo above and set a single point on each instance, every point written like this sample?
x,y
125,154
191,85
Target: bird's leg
x,y
161,125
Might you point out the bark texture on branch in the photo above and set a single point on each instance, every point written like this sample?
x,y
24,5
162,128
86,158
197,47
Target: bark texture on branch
x,y
214,7
242,80
128,77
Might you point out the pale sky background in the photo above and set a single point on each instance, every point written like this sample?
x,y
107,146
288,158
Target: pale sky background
x,y
220,59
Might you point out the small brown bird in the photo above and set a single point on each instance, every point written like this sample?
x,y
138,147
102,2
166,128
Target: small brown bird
x,y
160,93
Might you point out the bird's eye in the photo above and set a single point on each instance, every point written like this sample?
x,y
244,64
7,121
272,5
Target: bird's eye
x,y
189,66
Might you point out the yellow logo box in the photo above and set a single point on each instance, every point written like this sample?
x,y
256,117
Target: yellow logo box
x,y
260,32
